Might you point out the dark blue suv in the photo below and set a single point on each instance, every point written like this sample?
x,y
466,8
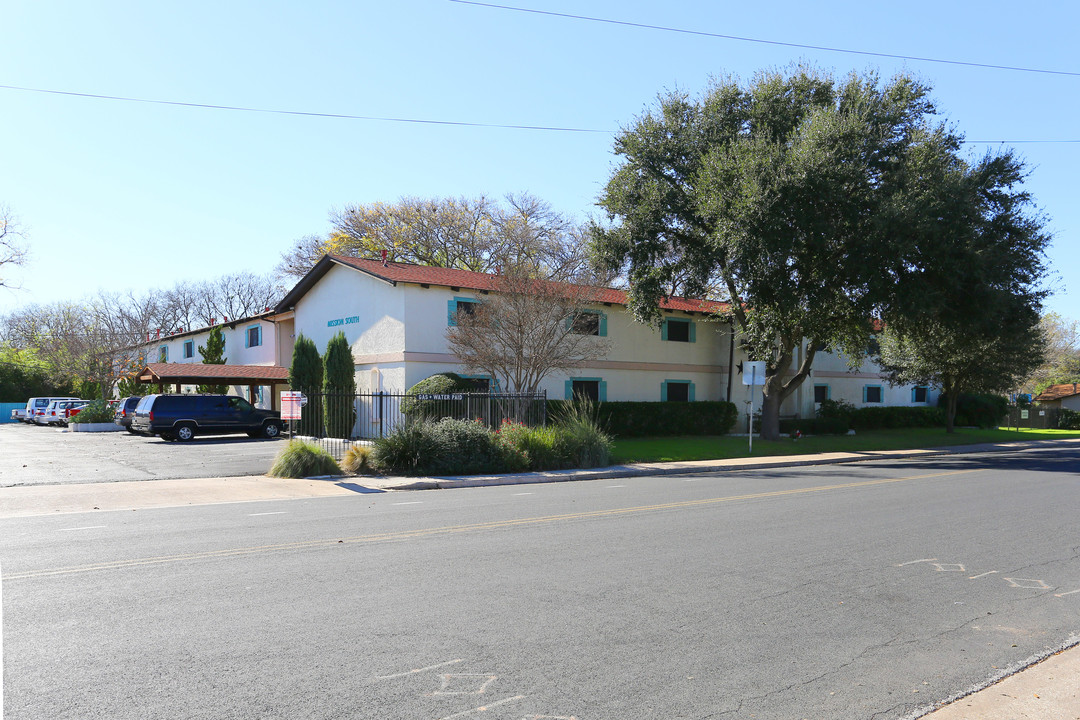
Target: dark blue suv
x,y
182,417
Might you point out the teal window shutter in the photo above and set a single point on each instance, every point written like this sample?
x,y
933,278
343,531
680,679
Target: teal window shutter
x,y
569,389
603,324
864,393
663,391
663,330
603,391
693,333
451,313
690,390
913,395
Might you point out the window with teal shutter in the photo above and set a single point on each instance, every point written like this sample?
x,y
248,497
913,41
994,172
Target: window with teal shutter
x,y
588,322
594,389
872,394
253,336
677,391
678,330
459,305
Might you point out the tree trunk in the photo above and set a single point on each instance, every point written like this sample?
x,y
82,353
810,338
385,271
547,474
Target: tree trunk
x,y
950,412
770,416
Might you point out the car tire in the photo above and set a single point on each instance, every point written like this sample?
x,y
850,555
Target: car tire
x,y
184,433
271,430
168,437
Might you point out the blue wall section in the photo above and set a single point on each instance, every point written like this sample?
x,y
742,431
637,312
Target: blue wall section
x,y
5,411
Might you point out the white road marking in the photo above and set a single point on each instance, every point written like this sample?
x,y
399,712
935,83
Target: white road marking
x,y
949,567
418,670
451,681
412,502
912,562
1028,583
1064,594
279,512
88,527
615,486
976,577
484,708
520,494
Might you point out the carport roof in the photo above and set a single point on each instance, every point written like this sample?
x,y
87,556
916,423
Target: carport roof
x,y
199,373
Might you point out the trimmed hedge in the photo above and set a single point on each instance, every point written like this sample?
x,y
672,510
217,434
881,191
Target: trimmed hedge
x,y
652,419
1069,419
884,418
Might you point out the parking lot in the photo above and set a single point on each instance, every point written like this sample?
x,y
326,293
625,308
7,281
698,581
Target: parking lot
x,y
34,455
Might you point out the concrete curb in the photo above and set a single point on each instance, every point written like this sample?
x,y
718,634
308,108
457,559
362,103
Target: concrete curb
x,y
697,466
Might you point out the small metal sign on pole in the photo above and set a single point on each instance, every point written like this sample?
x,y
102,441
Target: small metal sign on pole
x,y
291,403
753,375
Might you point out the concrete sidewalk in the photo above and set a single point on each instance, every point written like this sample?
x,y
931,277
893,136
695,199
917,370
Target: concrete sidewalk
x,y
1037,689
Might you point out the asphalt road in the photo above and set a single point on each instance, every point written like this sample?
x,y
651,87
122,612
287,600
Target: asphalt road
x,y
849,591
36,455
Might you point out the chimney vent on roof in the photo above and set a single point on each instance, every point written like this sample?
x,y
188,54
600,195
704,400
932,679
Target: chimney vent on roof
x,y
384,257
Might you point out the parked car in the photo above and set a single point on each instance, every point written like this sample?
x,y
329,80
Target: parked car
x,y
125,410
67,409
53,413
182,417
35,407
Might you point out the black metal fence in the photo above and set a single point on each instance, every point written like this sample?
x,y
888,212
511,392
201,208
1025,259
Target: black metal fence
x,y
337,421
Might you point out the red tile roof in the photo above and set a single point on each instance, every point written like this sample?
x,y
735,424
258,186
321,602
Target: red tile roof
x,y
1057,392
452,277
193,373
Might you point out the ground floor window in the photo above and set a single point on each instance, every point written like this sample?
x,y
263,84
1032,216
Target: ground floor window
x,y
594,389
872,394
821,393
677,391
919,394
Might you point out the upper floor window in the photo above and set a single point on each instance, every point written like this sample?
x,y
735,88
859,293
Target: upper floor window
x,y
189,349
163,353
254,336
677,330
588,322
457,306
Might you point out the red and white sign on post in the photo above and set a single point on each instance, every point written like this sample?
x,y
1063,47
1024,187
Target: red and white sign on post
x,y
291,402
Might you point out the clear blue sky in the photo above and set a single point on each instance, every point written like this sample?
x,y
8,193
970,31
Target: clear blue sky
x,y
122,195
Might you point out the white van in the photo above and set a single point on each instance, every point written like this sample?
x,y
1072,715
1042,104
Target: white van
x,y
36,407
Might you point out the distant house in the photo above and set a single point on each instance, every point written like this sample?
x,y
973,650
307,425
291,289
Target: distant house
x,y
1065,395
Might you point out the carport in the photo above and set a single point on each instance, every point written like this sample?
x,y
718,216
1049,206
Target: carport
x,y
251,376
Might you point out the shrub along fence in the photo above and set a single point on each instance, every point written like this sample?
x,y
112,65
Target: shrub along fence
x,y
651,419
336,421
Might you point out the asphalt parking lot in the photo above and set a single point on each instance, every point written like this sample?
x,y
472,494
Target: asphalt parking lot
x,y
34,455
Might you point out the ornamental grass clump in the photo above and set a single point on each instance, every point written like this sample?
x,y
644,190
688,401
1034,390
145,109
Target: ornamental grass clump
x,y
580,442
532,447
357,460
301,459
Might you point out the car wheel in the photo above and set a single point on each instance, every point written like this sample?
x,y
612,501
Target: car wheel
x,y
185,433
271,430
168,437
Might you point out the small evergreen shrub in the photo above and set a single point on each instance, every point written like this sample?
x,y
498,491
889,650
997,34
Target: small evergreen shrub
x,y
836,410
1068,419
465,447
299,459
441,384
531,448
97,411
357,460
404,450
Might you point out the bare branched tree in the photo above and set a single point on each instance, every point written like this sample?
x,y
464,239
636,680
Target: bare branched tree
x,y
13,250
478,234
527,328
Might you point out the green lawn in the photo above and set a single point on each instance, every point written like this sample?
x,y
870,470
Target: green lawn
x,y
695,447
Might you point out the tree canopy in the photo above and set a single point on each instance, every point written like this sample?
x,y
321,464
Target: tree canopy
x,y
811,201
479,234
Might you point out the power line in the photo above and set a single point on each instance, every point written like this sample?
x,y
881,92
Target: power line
x,y
739,38
301,113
